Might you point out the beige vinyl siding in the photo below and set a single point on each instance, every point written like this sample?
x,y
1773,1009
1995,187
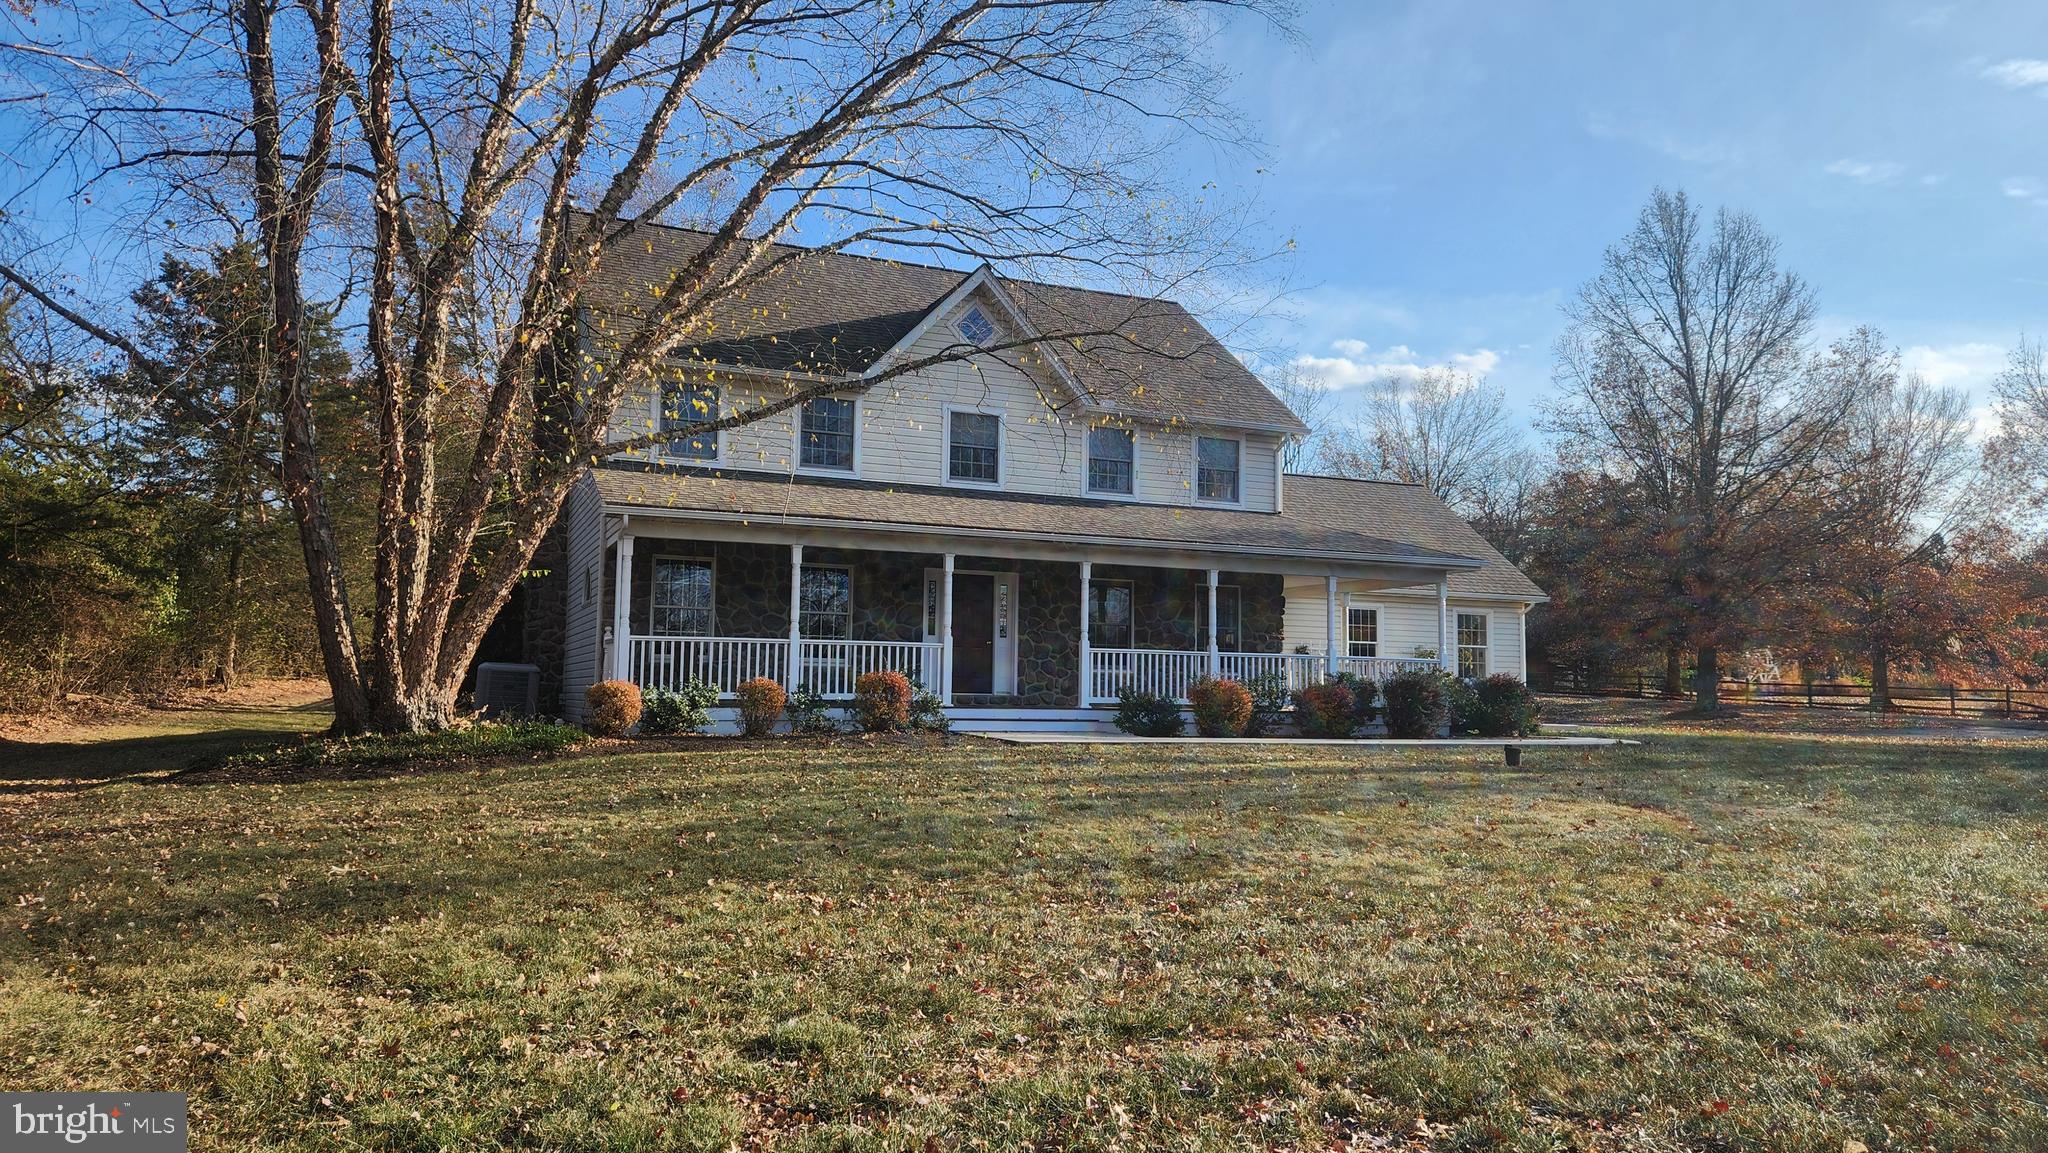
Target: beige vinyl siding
x,y
902,431
1408,621
583,631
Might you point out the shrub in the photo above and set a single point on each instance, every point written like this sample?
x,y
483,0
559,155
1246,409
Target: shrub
x,y
809,712
1503,707
881,701
928,713
1222,708
1460,702
1325,710
1364,694
1418,703
686,710
613,707
1147,714
1269,703
761,703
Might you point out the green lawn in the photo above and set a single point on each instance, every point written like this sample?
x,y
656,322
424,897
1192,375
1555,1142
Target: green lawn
x,y
1709,942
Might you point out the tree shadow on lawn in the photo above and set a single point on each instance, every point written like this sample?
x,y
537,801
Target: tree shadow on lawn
x,y
68,766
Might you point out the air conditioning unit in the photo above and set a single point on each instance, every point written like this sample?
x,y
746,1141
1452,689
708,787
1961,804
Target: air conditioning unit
x,y
503,688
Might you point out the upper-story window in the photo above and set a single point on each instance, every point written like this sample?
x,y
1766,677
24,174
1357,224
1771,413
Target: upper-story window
x,y
1112,460
974,447
684,405
825,437
977,327
1216,469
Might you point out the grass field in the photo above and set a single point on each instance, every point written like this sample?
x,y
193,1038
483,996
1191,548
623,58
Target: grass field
x,y
1714,941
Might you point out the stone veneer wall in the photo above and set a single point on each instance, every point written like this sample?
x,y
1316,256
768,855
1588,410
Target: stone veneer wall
x,y
1171,607
545,612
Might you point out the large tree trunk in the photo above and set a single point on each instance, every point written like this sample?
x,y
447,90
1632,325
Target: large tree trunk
x,y
1706,678
1880,677
1674,671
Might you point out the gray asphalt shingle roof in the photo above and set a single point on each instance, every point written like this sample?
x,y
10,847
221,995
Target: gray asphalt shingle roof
x,y
1324,517
831,313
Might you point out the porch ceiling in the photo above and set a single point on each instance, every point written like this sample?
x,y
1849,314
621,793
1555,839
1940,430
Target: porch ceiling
x,y
779,508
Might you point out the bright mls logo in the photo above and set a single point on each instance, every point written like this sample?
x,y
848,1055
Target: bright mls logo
x,y
118,1122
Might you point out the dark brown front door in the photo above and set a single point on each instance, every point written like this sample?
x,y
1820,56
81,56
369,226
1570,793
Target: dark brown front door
x,y
974,633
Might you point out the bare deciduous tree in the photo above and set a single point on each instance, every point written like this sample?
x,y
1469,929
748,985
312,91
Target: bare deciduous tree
x,y
1309,399
2019,453
1454,435
1685,373
422,163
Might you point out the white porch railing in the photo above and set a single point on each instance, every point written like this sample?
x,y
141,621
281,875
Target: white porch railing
x,y
1296,670
728,662
1166,672
1378,669
830,668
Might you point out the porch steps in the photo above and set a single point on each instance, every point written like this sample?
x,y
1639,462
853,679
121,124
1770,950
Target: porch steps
x,y
1016,719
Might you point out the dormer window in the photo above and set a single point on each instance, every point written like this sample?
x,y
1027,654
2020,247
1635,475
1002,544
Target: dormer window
x,y
977,327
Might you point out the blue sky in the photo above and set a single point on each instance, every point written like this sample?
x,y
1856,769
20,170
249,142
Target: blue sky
x,y
1452,169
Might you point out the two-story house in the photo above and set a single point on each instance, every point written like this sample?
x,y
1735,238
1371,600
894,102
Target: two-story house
x,y
1025,532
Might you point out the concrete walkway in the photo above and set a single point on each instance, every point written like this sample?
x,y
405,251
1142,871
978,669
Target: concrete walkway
x,y
1361,742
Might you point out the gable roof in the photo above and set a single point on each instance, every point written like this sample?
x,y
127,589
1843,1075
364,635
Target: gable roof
x,y
1413,514
829,313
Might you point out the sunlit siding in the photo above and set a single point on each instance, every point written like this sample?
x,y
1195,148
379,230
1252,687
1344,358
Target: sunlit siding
x,y
1408,622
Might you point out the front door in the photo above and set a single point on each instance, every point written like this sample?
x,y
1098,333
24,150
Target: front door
x,y
974,634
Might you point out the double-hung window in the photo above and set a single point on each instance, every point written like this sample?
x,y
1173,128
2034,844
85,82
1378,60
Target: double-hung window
x,y
1472,645
684,405
1216,469
1110,619
680,603
1362,631
825,437
825,604
974,447
1112,460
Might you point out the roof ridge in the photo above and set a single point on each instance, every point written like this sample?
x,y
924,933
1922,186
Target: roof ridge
x,y
1356,479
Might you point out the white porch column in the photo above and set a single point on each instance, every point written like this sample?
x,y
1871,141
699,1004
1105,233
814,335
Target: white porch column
x,y
622,612
1215,657
792,675
1446,640
1087,658
946,635
1330,637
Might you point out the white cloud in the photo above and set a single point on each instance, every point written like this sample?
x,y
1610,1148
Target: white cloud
x,y
1357,365
2019,73
2025,188
1867,171
1969,366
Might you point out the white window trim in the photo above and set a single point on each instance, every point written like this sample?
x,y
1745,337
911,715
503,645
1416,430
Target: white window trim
x,y
1137,482
1195,469
1353,601
1486,649
946,448
661,452
1106,582
796,445
848,570
710,562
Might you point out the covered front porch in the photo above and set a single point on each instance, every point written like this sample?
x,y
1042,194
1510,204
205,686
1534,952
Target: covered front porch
x,y
980,622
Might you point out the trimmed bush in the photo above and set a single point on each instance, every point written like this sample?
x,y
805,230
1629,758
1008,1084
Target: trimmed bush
x,y
881,701
612,707
1222,708
928,713
1418,703
687,710
1325,710
1502,706
809,712
761,703
1269,703
1147,714
1364,695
